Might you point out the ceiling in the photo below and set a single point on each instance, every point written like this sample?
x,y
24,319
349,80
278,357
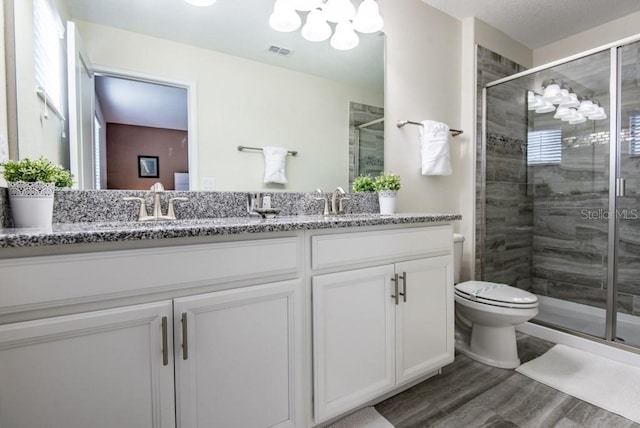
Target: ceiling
x,y
131,102
536,23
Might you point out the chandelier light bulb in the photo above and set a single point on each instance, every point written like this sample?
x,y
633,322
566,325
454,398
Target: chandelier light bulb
x,y
338,10
552,94
587,107
571,114
284,17
534,101
599,115
570,101
345,37
368,19
563,112
307,5
200,2
316,29
578,119
546,108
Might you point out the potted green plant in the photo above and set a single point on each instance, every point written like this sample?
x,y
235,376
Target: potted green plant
x,y
387,185
363,183
31,189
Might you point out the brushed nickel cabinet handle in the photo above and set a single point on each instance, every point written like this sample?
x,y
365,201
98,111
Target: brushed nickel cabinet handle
x,y
185,340
403,277
395,296
165,343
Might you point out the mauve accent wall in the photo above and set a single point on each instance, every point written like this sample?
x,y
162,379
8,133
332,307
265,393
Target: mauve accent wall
x,y
126,142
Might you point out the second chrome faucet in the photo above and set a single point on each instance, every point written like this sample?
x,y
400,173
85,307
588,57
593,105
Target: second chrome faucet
x,y
337,202
158,190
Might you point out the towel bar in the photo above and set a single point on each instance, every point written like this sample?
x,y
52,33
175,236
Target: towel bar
x,y
401,123
241,148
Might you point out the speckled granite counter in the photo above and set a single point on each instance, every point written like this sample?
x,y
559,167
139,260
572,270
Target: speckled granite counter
x,y
92,232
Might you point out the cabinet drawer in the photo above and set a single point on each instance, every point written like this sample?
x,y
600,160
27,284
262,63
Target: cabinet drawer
x,y
362,247
35,282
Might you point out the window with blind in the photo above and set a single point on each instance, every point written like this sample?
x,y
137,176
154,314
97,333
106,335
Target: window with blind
x,y
634,135
48,35
544,147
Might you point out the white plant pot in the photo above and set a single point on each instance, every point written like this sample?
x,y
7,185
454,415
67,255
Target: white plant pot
x,y
387,199
31,203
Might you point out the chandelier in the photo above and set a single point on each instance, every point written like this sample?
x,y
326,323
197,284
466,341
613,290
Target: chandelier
x,y
342,13
571,108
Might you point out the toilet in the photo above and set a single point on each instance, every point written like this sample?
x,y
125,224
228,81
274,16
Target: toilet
x,y
486,316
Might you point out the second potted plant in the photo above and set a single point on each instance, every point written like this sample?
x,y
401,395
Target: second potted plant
x,y
387,185
31,188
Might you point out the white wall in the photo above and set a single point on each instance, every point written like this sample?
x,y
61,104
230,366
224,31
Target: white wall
x,y
36,134
242,102
422,81
595,37
4,142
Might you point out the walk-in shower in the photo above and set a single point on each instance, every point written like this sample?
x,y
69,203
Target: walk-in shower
x,y
560,195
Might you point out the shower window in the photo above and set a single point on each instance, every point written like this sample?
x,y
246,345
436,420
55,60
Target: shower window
x,y
544,147
634,134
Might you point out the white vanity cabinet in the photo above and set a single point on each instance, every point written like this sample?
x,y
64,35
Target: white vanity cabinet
x,y
235,361
109,368
238,357
376,328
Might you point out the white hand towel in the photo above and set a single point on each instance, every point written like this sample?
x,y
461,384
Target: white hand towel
x,y
434,139
275,159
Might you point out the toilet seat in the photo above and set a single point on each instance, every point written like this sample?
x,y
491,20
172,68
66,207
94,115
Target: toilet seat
x,y
496,294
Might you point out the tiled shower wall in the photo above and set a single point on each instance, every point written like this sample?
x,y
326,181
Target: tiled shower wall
x,y
371,140
504,210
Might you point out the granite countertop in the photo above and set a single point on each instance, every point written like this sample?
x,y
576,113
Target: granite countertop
x,y
90,232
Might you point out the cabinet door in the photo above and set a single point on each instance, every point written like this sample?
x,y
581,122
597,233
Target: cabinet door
x,y
238,357
97,369
353,339
424,317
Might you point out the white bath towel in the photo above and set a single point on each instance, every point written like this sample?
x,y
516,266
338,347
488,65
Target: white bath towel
x,y
434,140
275,160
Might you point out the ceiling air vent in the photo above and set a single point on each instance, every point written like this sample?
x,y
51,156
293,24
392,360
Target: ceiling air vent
x,y
279,50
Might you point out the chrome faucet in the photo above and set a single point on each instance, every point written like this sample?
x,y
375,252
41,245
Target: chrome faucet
x,y
325,199
158,190
337,203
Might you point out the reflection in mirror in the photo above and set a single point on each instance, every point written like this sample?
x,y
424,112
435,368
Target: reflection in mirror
x,y
239,91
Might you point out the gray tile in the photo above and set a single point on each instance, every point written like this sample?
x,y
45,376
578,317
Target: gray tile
x,y
526,402
408,409
589,416
471,394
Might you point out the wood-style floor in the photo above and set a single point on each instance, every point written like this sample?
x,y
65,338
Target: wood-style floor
x,y
470,394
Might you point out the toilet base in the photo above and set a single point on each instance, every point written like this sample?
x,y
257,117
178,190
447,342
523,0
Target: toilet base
x,y
494,346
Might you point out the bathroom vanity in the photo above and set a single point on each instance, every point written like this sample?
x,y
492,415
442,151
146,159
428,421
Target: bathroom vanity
x,y
288,322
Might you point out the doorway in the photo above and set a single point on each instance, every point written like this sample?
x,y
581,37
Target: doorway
x,y
141,119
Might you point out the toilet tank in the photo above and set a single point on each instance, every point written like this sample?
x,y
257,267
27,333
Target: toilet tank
x,y
458,242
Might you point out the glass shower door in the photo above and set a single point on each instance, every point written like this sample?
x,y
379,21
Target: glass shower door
x,y
546,191
627,297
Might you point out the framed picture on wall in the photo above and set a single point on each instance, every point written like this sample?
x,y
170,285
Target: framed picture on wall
x,y
148,167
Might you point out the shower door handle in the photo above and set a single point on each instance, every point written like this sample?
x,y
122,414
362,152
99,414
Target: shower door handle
x,y
620,186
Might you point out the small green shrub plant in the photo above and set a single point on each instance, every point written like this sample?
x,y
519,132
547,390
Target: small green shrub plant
x,y
32,170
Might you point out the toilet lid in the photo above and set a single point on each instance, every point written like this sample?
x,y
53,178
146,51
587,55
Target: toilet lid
x,y
497,294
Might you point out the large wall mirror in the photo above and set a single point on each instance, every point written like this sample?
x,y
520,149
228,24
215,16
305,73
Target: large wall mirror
x,y
192,84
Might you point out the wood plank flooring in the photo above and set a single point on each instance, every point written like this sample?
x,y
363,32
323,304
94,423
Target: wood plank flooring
x,y
469,394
